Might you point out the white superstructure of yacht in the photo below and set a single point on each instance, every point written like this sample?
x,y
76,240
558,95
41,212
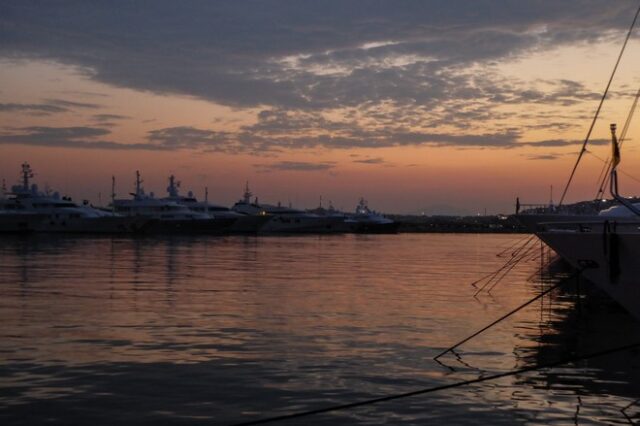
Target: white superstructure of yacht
x,y
240,223
365,220
167,215
605,251
286,219
32,210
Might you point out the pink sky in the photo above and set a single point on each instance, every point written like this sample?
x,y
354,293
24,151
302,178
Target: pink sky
x,y
392,117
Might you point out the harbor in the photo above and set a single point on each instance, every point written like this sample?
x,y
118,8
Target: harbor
x,y
350,212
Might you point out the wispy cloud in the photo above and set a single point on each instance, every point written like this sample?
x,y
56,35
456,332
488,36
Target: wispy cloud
x,y
72,104
109,117
376,160
299,166
38,109
67,137
47,107
543,157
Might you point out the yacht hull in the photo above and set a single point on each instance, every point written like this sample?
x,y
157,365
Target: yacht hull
x,y
25,223
302,225
532,221
248,225
373,228
217,226
19,223
606,253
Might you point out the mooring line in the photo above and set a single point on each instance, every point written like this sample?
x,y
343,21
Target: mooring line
x,y
522,258
493,274
524,305
518,242
509,265
424,391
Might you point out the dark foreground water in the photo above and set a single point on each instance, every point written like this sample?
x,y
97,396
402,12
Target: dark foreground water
x,y
222,330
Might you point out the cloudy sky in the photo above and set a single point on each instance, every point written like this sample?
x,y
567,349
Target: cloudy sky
x,y
429,105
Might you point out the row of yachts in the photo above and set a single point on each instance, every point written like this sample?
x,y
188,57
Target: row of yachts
x,y
26,209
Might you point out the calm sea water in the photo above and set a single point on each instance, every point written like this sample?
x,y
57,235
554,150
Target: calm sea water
x,y
223,330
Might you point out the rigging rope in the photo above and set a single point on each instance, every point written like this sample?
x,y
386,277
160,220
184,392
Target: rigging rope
x,y
595,117
623,137
618,169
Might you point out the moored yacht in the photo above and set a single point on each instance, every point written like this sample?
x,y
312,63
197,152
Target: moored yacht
x,y
29,210
168,216
367,221
286,220
15,217
242,223
605,251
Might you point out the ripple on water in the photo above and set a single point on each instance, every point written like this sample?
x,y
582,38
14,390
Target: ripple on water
x,y
186,330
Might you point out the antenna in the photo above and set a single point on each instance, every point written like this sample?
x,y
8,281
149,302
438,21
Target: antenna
x,y
113,194
206,199
172,189
27,173
138,184
247,193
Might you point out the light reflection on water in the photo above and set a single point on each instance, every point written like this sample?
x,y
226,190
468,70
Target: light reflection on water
x,y
186,330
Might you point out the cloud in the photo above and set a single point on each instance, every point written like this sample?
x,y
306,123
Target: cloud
x,y
72,105
298,166
337,74
543,157
108,117
300,54
563,142
192,138
47,107
37,109
261,141
376,160
67,137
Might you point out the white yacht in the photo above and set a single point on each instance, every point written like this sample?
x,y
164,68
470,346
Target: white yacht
x,y
14,217
242,223
29,210
605,251
286,220
367,221
167,216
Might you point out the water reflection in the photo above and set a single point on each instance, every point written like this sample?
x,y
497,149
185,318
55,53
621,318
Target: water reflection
x,y
101,330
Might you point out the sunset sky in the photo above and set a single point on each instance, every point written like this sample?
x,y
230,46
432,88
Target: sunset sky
x,y
418,106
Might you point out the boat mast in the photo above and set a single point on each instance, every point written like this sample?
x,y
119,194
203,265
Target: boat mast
x,y
206,200
247,194
113,194
27,173
172,189
595,117
138,184
613,181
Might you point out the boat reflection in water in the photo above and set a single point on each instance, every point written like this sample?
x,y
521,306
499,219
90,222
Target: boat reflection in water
x,y
197,329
